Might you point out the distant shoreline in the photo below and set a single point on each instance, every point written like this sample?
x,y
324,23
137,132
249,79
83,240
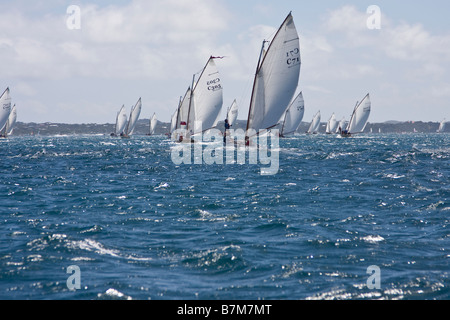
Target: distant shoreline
x,y
142,128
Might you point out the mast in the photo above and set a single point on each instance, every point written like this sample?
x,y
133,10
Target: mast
x,y
190,99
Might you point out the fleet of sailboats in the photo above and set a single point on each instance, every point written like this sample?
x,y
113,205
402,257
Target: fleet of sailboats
x,y
272,101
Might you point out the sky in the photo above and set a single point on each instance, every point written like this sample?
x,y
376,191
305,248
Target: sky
x,y
81,66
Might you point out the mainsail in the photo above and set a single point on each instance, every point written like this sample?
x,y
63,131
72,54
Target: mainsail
x,y
441,126
276,78
315,124
232,113
173,121
341,125
153,122
134,116
332,125
206,100
5,108
360,116
121,121
294,115
11,123
182,116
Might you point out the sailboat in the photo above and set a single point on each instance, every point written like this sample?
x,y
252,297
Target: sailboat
x,y
441,126
341,125
232,113
173,122
134,116
179,132
293,116
121,121
5,108
276,79
11,123
315,124
153,122
332,125
359,118
206,100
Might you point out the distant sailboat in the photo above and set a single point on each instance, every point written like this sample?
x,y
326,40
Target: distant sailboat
x,y
121,121
173,122
11,123
153,122
5,108
232,113
359,118
332,125
315,124
441,126
179,132
341,125
293,116
134,116
276,79
206,100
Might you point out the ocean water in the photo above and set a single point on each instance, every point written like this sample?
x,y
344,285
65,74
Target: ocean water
x,y
137,226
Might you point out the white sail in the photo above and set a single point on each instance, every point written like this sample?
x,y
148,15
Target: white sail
x,y
232,113
153,122
315,124
173,122
11,123
206,100
5,108
332,125
134,116
294,115
121,121
341,125
276,78
183,110
360,116
441,126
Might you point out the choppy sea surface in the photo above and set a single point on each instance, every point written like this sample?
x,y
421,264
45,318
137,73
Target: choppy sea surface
x,y
138,226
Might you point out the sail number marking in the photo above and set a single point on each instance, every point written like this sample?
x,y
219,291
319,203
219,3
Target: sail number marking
x,y
214,85
293,57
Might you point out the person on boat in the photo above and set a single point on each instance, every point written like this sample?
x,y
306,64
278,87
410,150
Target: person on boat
x,y
227,127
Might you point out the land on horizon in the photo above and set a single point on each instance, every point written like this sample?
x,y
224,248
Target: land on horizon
x,y
142,128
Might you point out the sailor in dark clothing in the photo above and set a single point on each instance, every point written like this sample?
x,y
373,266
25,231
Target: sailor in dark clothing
x,y
227,127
